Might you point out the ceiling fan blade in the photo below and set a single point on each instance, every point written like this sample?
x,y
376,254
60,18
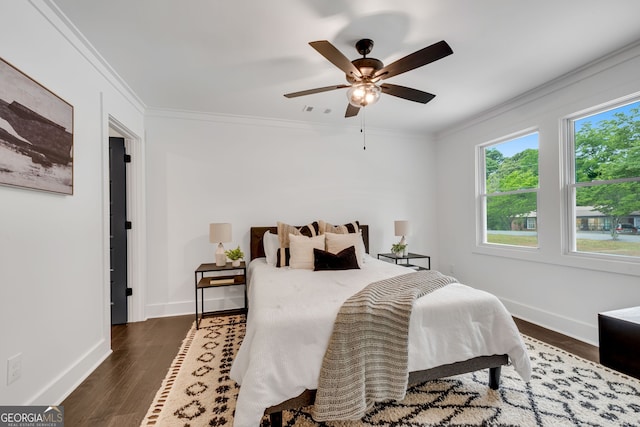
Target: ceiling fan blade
x,y
351,111
317,90
416,59
407,93
336,57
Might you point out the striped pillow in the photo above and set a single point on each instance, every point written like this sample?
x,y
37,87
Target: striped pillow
x,y
309,230
350,227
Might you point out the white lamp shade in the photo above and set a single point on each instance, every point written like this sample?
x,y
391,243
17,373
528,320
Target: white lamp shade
x,y
401,228
219,233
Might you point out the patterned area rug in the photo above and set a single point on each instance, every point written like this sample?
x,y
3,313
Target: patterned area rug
x,y
565,391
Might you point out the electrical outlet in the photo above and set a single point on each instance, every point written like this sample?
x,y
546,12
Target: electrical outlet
x,y
14,368
452,268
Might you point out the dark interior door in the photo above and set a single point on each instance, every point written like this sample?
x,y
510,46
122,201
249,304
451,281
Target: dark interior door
x,y
118,220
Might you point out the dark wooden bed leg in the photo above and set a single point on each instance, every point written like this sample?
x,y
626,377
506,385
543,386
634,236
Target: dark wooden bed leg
x,y
276,419
494,377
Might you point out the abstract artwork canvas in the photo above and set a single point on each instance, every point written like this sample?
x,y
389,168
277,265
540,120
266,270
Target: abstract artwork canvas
x,y
36,134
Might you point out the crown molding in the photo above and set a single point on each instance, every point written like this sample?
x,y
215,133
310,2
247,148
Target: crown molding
x,y
52,13
611,60
169,113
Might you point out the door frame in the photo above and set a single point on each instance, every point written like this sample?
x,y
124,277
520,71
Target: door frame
x,y
136,238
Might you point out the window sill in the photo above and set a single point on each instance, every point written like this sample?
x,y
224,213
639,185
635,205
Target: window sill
x,y
619,265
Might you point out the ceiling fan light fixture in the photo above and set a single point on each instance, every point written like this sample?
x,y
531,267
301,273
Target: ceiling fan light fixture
x,y
363,94
364,73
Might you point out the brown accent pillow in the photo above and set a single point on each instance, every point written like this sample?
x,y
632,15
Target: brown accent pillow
x,y
344,260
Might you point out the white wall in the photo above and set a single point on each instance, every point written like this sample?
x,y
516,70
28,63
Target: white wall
x,y
54,299
203,169
547,286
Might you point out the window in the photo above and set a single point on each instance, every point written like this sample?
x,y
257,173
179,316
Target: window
x,y
604,181
509,190
531,223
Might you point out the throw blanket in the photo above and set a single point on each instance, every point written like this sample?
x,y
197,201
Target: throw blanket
x,y
367,357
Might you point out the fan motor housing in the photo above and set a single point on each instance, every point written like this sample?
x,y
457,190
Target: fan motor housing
x,y
367,66
364,46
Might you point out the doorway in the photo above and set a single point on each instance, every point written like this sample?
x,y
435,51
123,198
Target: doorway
x,y
118,226
135,213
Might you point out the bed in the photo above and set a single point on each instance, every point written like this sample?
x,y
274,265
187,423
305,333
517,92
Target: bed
x,y
454,330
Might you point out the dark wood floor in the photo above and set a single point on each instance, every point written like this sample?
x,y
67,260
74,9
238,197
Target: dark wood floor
x,y
120,391
580,348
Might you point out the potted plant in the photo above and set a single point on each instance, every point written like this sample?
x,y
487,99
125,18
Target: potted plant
x,y
235,255
398,249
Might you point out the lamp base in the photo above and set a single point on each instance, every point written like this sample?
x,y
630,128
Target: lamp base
x,y
221,257
403,241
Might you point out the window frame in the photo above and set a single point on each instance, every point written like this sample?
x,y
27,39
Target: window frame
x,y
570,186
482,195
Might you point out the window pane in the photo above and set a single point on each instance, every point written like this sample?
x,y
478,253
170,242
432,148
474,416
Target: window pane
x,y
608,144
608,219
510,218
512,165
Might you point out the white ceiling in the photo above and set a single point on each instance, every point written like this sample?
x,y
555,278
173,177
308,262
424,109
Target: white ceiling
x,y
239,57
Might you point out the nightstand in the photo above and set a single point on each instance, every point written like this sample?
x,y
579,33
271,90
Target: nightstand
x,y
407,258
226,275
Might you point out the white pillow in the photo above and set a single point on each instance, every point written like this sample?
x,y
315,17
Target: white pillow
x,y
301,250
271,243
337,242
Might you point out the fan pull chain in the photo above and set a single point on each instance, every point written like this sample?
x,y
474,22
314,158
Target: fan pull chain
x,y
363,130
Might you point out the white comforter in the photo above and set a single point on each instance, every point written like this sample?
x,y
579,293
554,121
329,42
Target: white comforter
x,y
291,314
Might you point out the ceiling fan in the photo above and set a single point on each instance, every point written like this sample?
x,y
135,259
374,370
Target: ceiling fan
x,y
364,74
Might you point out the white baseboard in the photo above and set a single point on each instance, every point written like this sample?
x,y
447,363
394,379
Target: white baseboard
x,y
571,327
189,307
65,383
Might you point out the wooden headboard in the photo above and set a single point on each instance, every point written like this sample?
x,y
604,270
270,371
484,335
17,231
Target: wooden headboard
x,y
257,250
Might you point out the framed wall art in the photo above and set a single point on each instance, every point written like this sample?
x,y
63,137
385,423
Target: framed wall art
x,y
36,134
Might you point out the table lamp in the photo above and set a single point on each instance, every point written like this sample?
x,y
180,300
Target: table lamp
x,y
219,233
